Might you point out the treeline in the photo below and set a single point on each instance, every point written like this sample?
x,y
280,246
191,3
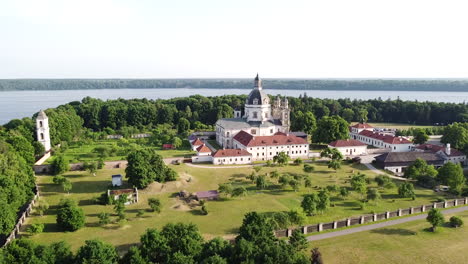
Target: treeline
x,y
293,84
203,112
176,244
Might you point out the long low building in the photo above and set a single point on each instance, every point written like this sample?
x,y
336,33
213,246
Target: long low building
x,y
266,147
232,156
446,152
365,134
349,147
397,162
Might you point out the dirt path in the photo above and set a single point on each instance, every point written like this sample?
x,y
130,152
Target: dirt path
x,y
379,225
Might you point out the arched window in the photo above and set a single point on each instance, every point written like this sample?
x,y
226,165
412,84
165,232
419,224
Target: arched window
x,y
40,123
42,136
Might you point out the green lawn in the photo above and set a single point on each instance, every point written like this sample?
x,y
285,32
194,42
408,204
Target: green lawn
x,y
404,243
396,125
225,215
78,152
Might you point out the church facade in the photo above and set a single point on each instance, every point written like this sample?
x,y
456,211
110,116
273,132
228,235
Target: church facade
x,y
260,118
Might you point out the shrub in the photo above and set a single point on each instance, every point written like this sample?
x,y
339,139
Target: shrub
x,y
154,204
35,228
140,213
298,161
308,168
104,218
42,207
456,221
204,211
69,216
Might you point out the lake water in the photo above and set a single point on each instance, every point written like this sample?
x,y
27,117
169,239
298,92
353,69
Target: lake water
x,y
19,104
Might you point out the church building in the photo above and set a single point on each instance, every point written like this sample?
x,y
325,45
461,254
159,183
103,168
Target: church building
x,y
260,118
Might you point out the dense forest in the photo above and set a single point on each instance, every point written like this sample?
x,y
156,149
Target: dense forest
x,y
294,84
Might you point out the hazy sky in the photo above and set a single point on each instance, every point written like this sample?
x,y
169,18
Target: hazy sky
x,y
237,38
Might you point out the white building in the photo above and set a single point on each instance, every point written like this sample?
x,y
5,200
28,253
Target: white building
x,y
446,152
259,118
349,147
365,134
232,156
203,154
266,147
42,130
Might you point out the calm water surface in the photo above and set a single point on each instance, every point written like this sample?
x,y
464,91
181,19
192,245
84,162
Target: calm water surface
x,y
19,104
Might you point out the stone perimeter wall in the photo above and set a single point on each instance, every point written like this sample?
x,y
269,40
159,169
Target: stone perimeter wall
x,y
363,219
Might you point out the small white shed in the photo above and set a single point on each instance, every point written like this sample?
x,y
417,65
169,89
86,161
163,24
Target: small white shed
x,y
117,180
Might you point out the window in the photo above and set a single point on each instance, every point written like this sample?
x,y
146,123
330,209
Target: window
x,y
42,136
271,131
255,115
230,159
40,123
255,101
266,115
242,159
253,131
227,134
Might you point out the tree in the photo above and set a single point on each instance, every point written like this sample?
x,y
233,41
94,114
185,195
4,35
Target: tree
x,y
119,206
225,189
406,190
297,217
422,172
239,191
298,161
456,134
261,182
104,218
274,174
66,185
59,165
452,175
435,218
420,137
281,158
133,256
183,126
215,247
344,192
330,129
69,216
331,153
92,167
176,142
456,221
307,182
384,181
359,184
323,200
42,207
334,164
308,168
155,204
294,184
35,228
347,114
309,204
298,240
96,251
373,194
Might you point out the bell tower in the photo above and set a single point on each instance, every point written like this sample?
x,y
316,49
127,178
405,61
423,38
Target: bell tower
x,y
42,129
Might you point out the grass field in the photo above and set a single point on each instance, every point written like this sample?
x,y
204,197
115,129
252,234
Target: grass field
x,y
396,125
225,215
86,152
404,243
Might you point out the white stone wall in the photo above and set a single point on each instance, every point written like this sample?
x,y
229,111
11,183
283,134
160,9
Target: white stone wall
x,y
232,160
203,158
401,147
457,160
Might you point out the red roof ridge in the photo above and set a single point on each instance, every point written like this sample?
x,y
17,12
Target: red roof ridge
x,y
197,142
203,149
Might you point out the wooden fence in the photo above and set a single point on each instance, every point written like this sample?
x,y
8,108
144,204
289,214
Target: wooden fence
x,y
363,219
26,212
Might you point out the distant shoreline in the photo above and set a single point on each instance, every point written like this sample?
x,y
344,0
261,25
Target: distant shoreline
x,y
427,85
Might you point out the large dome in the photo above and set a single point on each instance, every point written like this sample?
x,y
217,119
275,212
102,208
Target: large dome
x,y
257,97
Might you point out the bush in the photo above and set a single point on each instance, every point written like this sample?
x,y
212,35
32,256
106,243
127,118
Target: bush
x,y
298,161
104,218
154,204
35,228
204,211
140,213
69,216
308,168
456,221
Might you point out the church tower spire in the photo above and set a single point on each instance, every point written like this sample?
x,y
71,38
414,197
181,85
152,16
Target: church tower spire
x,y
258,82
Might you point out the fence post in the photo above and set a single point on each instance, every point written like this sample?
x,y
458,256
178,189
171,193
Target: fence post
x,y
348,222
435,205
289,232
411,210
445,204
335,224
361,221
423,208
387,215
320,227
304,230
375,217
466,200
455,202
399,212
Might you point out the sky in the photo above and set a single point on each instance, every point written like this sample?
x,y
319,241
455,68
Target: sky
x,y
233,39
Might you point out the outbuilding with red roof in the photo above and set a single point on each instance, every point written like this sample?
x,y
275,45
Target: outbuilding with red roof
x,y
349,147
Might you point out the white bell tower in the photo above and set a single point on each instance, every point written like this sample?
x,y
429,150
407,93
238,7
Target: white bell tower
x,y
42,129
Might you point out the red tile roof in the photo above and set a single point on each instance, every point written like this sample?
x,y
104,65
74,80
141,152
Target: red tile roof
x,y
278,139
435,148
121,191
197,142
361,125
385,138
231,153
346,143
203,149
